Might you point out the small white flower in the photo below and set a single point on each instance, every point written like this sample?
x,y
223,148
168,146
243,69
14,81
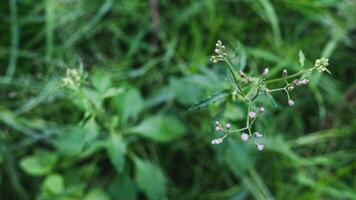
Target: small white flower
x,y
265,72
262,109
217,141
228,125
260,147
244,137
217,129
290,102
258,135
285,73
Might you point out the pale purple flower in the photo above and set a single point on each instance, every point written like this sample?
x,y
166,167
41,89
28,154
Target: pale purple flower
x,y
217,128
217,141
260,147
252,114
290,102
244,137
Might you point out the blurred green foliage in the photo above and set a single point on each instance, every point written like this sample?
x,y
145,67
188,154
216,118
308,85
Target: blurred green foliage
x,y
129,135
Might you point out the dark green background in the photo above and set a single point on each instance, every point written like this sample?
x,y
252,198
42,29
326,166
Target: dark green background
x,y
142,144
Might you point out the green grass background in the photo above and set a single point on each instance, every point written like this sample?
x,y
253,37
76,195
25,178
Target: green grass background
x,y
142,144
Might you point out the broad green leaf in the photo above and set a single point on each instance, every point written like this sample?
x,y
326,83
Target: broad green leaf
x,y
216,98
150,179
185,91
124,188
97,194
301,58
116,149
159,128
53,184
101,80
70,142
129,104
91,130
40,163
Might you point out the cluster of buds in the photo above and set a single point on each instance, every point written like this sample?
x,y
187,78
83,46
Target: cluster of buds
x,y
298,82
220,52
321,64
261,85
73,78
252,115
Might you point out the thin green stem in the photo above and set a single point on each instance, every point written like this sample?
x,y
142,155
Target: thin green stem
x,y
290,76
231,69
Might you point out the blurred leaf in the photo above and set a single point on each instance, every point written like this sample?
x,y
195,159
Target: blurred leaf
x,y
129,104
101,80
124,188
150,179
159,128
185,91
91,130
241,56
301,58
237,158
111,92
97,194
53,184
40,163
70,142
219,97
117,149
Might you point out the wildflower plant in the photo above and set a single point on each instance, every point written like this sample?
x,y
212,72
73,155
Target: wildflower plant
x,y
247,89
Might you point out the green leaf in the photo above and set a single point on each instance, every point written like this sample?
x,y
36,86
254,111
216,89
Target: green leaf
x,y
150,179
124,188
91,130
70,142
129,104
101,81
216,98
241,56
116,149
53,184
160,128
40,163
301,58
96,194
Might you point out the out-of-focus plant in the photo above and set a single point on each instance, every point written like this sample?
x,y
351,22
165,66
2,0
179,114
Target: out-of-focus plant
x,y
247,89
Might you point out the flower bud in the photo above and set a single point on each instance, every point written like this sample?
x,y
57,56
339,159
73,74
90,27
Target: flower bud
x,y
243,75
262,109
265,72
217,128
257,134
260,147
228,125
217,141
290,88
290,102
285,73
